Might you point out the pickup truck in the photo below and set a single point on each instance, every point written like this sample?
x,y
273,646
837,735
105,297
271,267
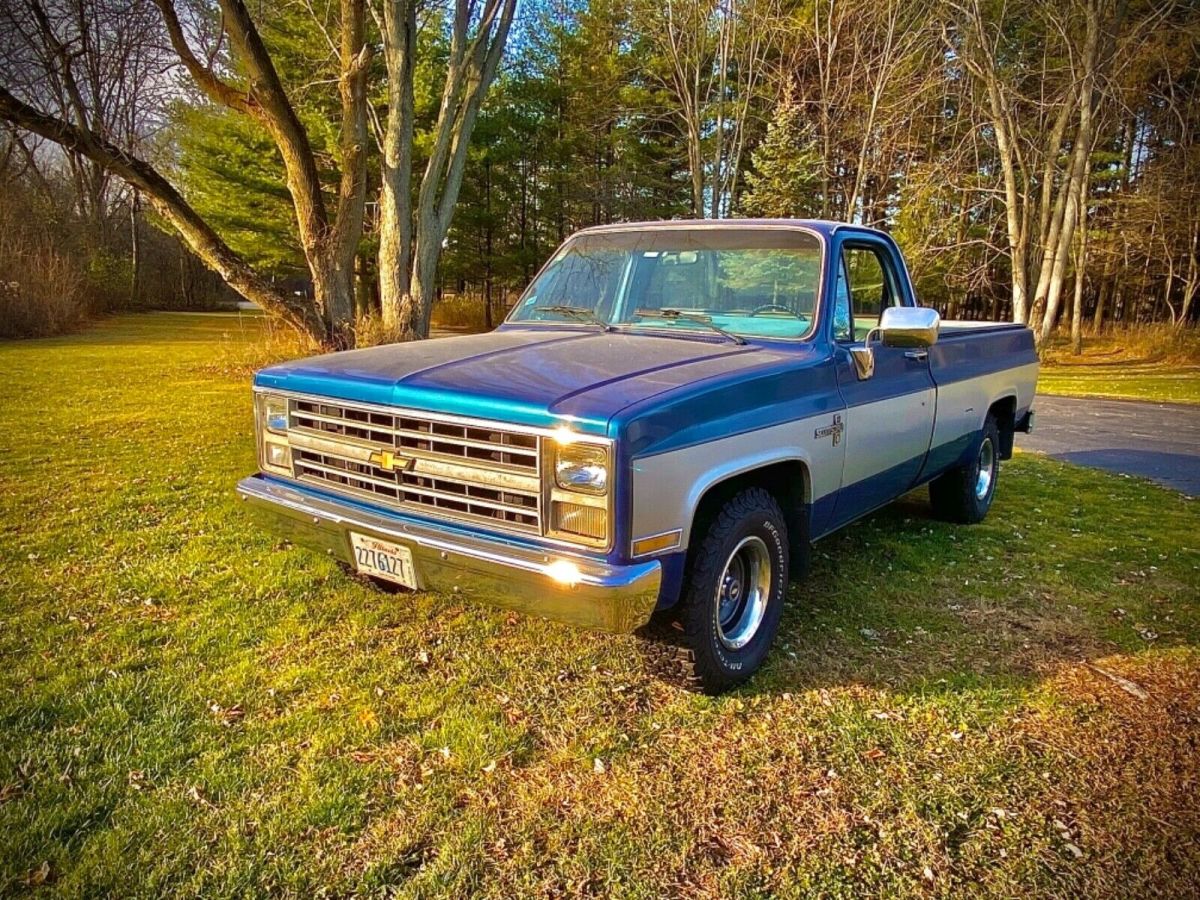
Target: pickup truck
x,y
667,419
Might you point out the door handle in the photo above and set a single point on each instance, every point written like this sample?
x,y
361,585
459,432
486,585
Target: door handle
x,y
916,354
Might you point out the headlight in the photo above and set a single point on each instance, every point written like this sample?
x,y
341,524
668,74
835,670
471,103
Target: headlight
x,y
582,468
277,455
274,454
275,413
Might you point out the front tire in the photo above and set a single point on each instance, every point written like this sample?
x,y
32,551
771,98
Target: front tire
x,y
734,592
964,494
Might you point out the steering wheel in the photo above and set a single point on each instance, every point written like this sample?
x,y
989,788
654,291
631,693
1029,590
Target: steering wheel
x,y
771,307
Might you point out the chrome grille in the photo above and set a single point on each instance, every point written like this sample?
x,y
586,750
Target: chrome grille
x,y
451,469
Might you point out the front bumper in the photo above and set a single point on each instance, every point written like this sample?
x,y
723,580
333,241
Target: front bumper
x,y
503,573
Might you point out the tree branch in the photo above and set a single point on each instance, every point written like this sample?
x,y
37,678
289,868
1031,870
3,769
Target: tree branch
x,y
170,204
280,119
206,79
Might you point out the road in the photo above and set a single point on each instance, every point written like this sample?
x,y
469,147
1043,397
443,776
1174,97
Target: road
x,y
1159,441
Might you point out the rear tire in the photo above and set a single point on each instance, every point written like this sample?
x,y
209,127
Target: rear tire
x,y
964,494
733,596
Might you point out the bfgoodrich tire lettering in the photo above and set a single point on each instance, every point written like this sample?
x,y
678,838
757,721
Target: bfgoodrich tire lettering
x,y
734,592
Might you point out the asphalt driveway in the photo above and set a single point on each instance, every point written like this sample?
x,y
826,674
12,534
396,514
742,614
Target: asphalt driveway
x,y
1159,441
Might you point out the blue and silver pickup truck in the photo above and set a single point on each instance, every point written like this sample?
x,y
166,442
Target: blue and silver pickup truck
x,y
668,418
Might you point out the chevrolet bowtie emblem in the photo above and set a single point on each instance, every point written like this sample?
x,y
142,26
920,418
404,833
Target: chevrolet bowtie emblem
x,y
835,430
390,462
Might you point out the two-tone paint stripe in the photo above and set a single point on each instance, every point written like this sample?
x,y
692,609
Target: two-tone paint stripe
x,y
846,480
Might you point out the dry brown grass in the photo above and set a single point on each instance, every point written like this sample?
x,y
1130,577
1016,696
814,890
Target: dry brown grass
x,y
461,312
1151,362
370,331
1155,342
250,342
1132,778
41,290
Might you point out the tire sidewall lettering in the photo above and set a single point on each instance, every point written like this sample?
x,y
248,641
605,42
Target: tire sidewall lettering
x,y
735,661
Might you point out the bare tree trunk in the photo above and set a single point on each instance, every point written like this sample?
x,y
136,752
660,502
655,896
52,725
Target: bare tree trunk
x,y
1080,274
395,203
135,250
341,246
696,163
1072,196
1168,284
1017,233
362,288
1192,283
488,246
410,241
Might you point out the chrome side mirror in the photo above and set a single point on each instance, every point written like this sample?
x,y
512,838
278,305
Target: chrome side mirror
x,y
899,326
909,326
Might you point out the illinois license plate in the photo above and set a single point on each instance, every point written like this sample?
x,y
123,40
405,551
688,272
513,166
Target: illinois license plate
x,y
383,559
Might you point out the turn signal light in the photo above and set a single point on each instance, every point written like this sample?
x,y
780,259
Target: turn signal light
x,y
666,541
585,521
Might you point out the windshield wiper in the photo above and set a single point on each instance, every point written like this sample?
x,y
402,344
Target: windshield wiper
x,y
580,313
672,314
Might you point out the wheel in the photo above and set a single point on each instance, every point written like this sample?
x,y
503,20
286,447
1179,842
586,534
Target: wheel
x,y
964,494
733,595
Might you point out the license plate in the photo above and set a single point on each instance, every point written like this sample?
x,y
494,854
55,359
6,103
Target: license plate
x,y
383,559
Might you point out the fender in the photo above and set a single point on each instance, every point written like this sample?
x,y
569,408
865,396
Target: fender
x,y
667,488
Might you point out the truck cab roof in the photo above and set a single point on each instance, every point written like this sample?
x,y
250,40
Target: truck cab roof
x,y
824,227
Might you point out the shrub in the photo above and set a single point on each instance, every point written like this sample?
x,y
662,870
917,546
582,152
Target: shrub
x,y
461,311
369,331
41,287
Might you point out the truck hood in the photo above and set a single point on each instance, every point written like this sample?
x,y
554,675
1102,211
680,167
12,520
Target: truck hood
x,y
530,376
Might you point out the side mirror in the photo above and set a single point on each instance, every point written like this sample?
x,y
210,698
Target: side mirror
x,y
909,326
899,326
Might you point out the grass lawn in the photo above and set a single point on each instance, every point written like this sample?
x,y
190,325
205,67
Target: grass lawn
x,y
188,706
1152,362
1157,382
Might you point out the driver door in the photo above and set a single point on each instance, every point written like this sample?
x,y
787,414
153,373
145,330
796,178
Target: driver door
x,y
889,416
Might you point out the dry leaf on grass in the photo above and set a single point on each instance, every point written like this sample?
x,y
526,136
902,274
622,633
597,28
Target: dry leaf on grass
x,y
40,875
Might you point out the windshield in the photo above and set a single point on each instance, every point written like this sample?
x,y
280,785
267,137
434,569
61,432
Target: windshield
x,y
751,282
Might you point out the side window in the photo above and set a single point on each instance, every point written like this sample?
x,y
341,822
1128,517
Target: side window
x,y
843,330
870,288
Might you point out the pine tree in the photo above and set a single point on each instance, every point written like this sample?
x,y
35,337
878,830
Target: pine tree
x,y
784,179
231,173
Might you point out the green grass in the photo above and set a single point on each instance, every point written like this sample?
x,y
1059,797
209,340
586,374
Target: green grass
x,y
1153,381
189,706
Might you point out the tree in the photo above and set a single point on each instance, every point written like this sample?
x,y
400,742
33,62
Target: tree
x,y
109,85
1043,122
569,136
411,236
785,167
711,59
252,88
231,174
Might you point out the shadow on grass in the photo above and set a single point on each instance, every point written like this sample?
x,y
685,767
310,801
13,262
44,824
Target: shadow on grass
x,y
1178,470
903,601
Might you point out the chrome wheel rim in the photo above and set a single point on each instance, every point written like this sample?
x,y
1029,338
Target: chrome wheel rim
x,y
987,469
742,593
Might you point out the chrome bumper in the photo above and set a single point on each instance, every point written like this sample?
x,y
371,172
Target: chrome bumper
x,y
503,573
